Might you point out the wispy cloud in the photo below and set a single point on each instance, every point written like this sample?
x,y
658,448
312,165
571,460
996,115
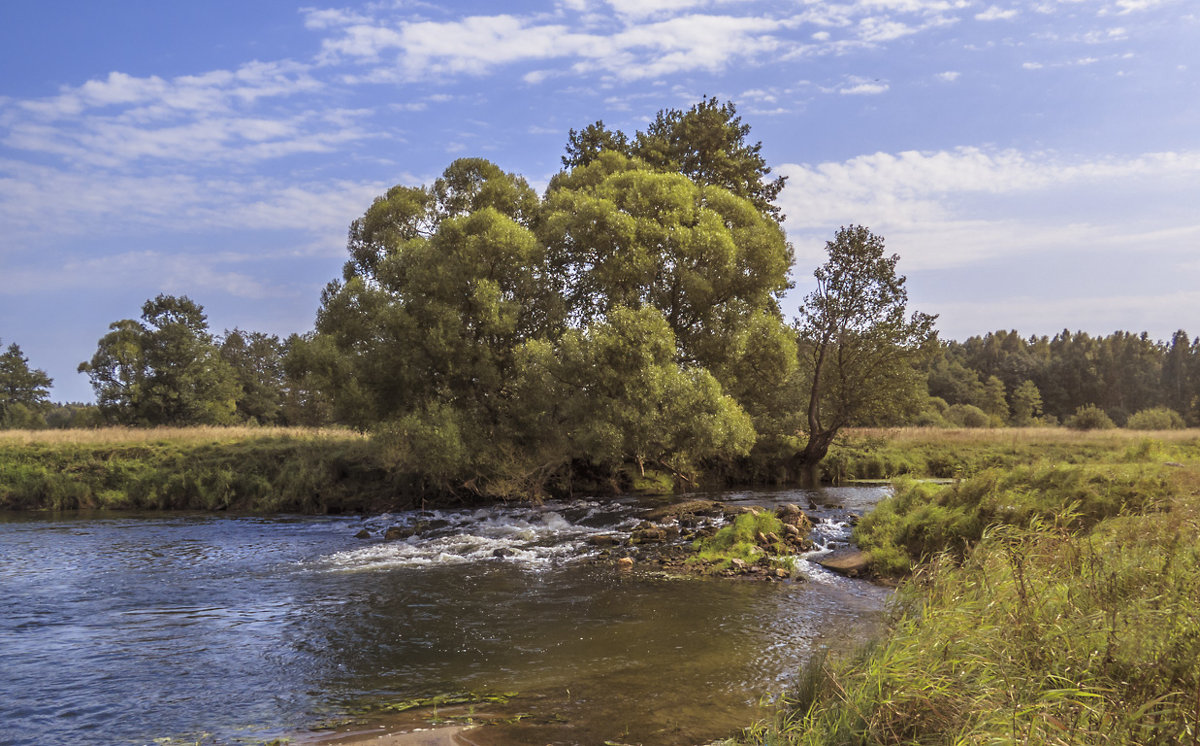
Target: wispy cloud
x,y
954,207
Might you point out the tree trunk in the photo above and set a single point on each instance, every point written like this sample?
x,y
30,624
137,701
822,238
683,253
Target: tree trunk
x,y
809,460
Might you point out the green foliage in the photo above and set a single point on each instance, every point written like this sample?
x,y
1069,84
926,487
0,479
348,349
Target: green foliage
x,y
1158,418
620,234
165,370
1026,404
1089,417
857,346
707,144
616,393
499,342
24,391
920,520
1066,620
738,540
256,360
1120,373
967,415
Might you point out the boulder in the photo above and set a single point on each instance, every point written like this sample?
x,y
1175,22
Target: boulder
x,y
604,540
849,562
738,565
688,509
649,535
625,564
363,534
395,533
792,515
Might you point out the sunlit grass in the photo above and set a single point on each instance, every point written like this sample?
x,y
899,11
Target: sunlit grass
x,y
199,434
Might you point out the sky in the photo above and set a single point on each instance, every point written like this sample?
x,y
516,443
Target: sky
x,y
1035,163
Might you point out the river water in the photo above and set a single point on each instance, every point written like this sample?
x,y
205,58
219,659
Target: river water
x,y
199,628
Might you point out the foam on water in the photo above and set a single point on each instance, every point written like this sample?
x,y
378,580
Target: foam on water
x,y
529,537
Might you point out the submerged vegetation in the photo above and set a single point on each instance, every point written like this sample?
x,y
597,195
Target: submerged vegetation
x,y
1044,604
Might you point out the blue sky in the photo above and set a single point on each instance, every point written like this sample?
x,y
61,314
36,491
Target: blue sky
x,y
1035,163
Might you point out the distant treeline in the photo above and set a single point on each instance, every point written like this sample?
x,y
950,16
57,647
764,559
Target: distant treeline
x,y
1002,378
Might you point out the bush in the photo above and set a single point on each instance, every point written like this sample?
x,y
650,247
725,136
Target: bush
x,y
968,415
1158,418
1090,417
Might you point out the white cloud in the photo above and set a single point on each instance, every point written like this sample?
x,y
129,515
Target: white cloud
x,y
949,76
856,86
996,13
949,208
44,203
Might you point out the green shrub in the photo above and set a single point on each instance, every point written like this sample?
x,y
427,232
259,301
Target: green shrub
x,y
968,415
1158,418
1090,417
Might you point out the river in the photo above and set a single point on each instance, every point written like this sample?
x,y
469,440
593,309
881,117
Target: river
x,y
216,629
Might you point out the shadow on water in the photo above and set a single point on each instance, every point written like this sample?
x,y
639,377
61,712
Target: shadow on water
x,y
123,629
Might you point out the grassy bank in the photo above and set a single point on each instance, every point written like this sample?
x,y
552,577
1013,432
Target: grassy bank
x,y
1054,602
955,453
251,469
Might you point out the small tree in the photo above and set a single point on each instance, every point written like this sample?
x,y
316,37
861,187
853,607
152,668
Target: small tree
x,y
1158,418
1026,404
24,391
856,342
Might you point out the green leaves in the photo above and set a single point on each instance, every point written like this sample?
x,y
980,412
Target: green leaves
x,y
164,371
857,346
24,391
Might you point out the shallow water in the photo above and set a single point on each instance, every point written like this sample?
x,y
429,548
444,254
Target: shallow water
x,y
126,628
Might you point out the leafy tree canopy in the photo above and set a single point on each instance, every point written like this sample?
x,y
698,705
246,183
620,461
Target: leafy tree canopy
x,y
706,143
858,346
164,370
24,391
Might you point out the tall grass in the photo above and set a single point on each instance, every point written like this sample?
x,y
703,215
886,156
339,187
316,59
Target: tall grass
x,y
1047,604
251,469
956,453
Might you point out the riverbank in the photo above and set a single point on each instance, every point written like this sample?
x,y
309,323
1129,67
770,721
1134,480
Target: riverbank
x,y
270,470
1052,602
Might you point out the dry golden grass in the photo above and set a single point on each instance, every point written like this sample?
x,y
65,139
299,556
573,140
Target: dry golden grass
x,y
202,434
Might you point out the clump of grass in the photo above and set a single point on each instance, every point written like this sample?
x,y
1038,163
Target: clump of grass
x,y
920,520
740,540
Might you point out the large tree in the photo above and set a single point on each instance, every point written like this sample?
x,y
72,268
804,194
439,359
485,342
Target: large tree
x,y
24,391
706,143
857,343
621,235
442,284
164,370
